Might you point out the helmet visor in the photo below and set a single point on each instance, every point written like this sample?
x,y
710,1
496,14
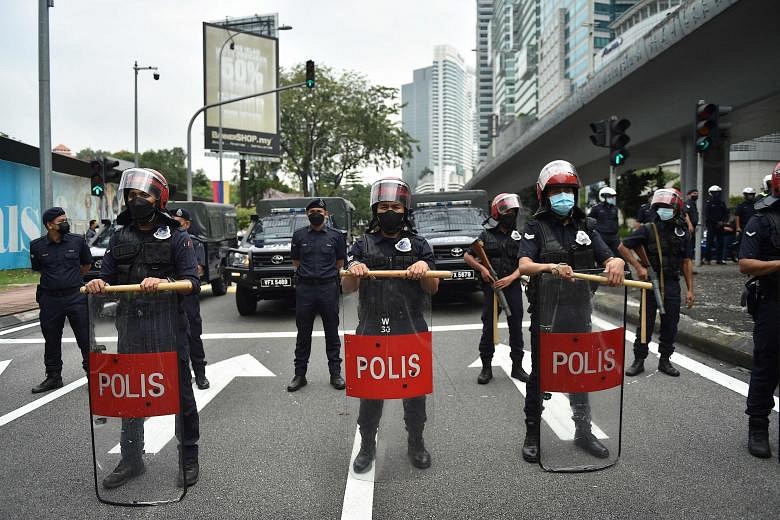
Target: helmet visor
x,y
391,190
558,173
143,180
666,196
507,202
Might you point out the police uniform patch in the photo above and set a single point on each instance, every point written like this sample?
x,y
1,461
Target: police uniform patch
x,y
515,235
582,238
178,212
679,232
528,236
163,233
404,245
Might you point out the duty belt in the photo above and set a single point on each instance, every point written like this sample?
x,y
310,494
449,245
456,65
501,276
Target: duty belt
x,y
317,281
59,292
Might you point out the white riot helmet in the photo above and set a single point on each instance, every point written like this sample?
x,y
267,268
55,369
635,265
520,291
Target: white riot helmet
x,y
748,191
605,192
768,182
714,189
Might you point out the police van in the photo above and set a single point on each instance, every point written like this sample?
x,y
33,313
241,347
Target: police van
x,y
261,266
451,221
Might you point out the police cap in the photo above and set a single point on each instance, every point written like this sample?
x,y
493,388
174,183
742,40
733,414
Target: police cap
x,y
316,203
183,213
52,213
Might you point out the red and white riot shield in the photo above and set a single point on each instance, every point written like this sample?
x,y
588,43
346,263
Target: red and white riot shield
x,y
388,366
135,397
580,364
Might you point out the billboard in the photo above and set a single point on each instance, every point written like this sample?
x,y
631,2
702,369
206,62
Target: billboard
x,y
250,126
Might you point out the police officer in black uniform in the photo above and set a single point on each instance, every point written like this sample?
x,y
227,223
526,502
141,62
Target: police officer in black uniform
x,y
150,249
191,303
745,209
500,239
62,259
559,240
674,257
605,214
645,213
692,214
760,258
716,216
390,243
318,253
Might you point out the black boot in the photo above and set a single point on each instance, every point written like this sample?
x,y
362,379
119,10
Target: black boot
x,y
758,437
297,383
127,469
583,438
201,381
486,374
518,372
51,382
665,366
188,473
531,442
417,453
367,453
636,368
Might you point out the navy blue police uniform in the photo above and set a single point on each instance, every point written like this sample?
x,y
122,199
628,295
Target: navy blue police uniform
x,y
191,304
745,210
58,295
501,250
162,252
645,213
675,247
761,241
395,303
546,239
693,214
716,215
317,291
606,217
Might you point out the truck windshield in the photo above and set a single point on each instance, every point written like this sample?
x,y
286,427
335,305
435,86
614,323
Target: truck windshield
x,y
448,219
103,238
275,227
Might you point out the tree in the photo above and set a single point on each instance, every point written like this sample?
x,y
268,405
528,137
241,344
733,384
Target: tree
x,y
87,154
261,176
342,126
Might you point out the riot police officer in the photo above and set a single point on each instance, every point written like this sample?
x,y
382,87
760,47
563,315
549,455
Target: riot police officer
x,y
148,249
716,215
191,304
692,216
500,239
745,209
760,258
665,244
390,243
606,215
644,213
559,240
318,253
62,259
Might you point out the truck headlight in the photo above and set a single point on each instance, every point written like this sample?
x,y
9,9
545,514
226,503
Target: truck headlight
x,y
237,259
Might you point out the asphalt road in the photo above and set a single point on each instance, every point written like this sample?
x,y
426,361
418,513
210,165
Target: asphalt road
x,y
267,453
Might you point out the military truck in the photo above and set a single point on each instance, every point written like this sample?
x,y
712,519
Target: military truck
x,y
215,226
261,266
451,221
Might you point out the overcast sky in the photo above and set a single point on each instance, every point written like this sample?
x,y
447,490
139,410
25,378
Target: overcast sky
x,y
93,44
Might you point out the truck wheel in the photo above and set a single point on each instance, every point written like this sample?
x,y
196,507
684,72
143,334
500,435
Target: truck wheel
x,y
246,302
218,287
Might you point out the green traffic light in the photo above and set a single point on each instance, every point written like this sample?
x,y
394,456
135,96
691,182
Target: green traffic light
x,y
310,83
703,144
97,190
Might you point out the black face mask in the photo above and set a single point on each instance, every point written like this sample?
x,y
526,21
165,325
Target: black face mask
x,y
316,218
141,210
507,220
64,228
390,221
695,198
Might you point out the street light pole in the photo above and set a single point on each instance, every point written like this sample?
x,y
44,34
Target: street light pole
x,y
219,97
136,68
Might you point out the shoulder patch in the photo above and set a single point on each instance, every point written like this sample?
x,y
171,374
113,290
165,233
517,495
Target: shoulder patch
x,y
515,235
750,233
528,236
404,245
582,238
680,232
162,233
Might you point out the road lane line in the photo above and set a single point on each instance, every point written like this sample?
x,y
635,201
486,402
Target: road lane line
x,y
29,407
20,327
4,365
359,491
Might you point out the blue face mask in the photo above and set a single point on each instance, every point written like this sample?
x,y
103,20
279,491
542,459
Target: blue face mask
x,y
562,203
610,200
665,213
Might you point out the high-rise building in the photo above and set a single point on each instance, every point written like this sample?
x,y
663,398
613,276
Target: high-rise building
x,y
527,26
447,88
502,60
484,77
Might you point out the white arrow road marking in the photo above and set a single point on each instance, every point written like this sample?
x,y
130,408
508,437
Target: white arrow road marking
x,y
359,491
158,431
557,412
690,364
4,365
29,407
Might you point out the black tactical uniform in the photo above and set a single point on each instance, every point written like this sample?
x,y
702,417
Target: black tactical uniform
x,y
716,215
693,214
191,303
606,216
761,241
645,213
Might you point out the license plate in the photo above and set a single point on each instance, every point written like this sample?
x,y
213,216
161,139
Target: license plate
x,y
463,275
275,282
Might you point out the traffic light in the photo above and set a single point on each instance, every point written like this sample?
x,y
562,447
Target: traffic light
x,y
706,126
599,137
310,74
97,178
618,139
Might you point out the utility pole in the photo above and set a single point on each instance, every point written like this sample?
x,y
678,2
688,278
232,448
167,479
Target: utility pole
x,y
44,106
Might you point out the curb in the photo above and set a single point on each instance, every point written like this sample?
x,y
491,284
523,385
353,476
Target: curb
x,y
12,320
721,345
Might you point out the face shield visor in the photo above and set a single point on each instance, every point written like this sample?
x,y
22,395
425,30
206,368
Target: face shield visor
x,y
391,190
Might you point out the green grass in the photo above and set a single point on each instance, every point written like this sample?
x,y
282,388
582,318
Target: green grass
x,y
12,276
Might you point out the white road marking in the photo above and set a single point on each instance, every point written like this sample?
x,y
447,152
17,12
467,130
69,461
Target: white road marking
x,y
160,430
4,365
359,491
692,365
557,412
51,396
20,327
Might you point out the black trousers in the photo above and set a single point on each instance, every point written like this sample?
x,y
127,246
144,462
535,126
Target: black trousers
x,y
53,311
311,300
514,297
765,375
371,412
191,305
714,243
669,320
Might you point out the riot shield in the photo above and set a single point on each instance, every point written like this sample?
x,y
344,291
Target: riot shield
x,y
135,397
388,367
580,363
